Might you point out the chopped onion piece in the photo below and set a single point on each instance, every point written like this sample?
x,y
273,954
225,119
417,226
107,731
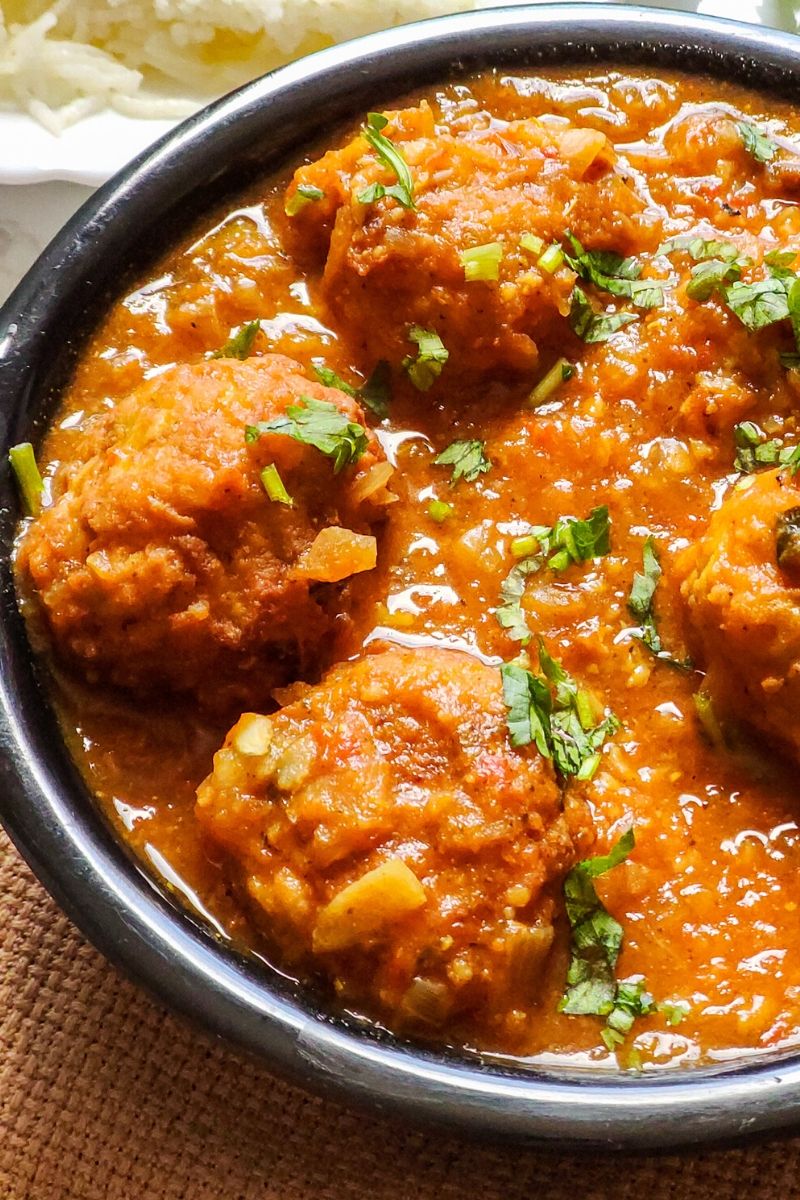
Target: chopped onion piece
x,y
336,554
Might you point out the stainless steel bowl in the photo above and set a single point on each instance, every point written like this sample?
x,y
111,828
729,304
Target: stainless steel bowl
x,y
43,802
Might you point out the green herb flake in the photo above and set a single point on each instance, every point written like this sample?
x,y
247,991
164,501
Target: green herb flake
x,y
304,195
700,249
570,540
239,345
787,539
393,160
590,325
425,369
673,1012
554,713
596,938
467,458
29,480
548,385
758,304
482,263
756,452
762,147
274,486
439,511
710,274
632,1000
640,606
320,424
375,394
612,273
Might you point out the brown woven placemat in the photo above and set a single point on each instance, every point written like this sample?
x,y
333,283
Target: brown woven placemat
x,y
105,1096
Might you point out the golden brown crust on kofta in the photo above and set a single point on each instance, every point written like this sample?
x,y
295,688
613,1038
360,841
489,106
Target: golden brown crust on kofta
x,y
162,563
389,837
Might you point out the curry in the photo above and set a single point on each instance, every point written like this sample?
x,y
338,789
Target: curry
x,y
419,560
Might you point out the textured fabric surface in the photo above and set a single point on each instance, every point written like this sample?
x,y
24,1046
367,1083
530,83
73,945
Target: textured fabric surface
x,y
104,1096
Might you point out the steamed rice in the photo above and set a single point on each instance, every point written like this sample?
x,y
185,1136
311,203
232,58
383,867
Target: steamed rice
x,y
163,58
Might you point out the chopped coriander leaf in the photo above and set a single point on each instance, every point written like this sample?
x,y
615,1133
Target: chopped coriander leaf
x,y
531,243
482,263
699,249
596,936
755,451
762,147
787,538
593,326
640,606
467,459
374,394
29,480
559,373
439,510
551,259
556,715
673,1011
240,344
320,424
329,377
632,1000
570,540
710,274
614,274
780,258
392,158
509,612
432,355
274,486
758,304
305,194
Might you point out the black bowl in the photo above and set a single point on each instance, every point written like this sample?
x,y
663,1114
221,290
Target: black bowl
x,y
43,802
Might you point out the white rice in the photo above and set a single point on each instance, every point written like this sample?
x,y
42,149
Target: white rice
x,y
164,58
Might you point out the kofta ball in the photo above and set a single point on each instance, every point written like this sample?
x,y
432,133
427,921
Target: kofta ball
x,y
165,563
467,261
742,595
390,839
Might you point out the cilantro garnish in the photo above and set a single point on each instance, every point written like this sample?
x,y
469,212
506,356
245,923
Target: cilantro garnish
x,y
640,606
570,540
632,1000
762,147
593,326
756,452
596,939
467,458
305,194
374,394
787,538
320,424
392,158
432,354
240,344
700,249
760,303
614,274
710,274
554,713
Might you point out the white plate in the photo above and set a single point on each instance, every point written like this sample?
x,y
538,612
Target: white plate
x,y
89,152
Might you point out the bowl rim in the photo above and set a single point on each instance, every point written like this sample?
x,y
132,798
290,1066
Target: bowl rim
x,y
42,800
